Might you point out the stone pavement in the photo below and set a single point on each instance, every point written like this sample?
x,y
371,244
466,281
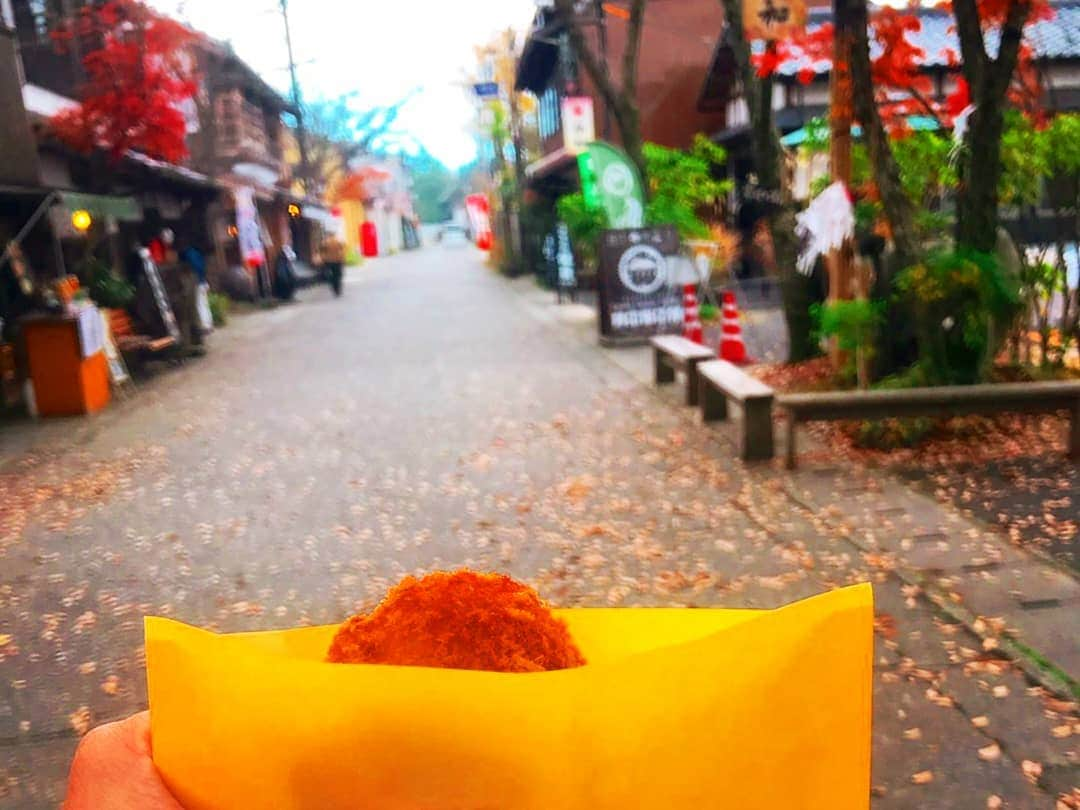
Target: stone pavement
x,y
439,416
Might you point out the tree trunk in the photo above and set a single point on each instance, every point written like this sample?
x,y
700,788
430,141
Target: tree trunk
x,y
977,204
520,182
796,289
899,210
630,128
989,80
619,99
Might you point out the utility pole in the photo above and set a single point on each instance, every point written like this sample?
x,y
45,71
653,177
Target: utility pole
x,y
301,136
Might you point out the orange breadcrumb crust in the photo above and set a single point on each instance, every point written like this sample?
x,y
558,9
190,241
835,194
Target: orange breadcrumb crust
x,y
459,620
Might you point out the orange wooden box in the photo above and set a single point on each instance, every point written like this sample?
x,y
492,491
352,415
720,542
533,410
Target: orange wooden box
x,y
65,383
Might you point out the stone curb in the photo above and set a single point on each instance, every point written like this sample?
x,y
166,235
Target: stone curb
x,y
1061,685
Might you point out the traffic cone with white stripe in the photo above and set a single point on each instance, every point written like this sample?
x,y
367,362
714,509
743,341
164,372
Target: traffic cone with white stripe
x,y
691,315
732,347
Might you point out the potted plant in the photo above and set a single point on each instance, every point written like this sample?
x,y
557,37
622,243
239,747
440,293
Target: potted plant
x,y
711,330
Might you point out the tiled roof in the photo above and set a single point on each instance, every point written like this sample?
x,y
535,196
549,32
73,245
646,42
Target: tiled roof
x,y
1058,38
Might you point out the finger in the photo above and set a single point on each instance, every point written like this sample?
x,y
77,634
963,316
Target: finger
x,y
112,770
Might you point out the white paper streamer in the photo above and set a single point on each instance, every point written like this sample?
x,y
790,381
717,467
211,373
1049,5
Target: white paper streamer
x,y
826,224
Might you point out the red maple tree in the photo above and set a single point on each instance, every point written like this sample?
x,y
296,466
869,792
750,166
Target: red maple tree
x,y
362,184
902,88
139,72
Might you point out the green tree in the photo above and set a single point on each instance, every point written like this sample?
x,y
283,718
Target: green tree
x,y
767,153
433,185
681,184
1042,164
989,79
620,96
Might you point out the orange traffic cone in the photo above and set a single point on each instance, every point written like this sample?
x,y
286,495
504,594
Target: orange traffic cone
x,y
732,347
691,315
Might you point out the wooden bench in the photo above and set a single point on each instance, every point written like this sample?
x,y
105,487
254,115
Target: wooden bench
x,y
952,400
129,342
672,353
719,381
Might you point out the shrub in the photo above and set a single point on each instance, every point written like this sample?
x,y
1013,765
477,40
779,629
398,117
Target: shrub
x,y
963,302
219,308
585,225
106,289
681,184
890,434
854,324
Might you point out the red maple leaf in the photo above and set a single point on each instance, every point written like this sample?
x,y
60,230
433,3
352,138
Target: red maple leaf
x,y
902,87
138,76
362,184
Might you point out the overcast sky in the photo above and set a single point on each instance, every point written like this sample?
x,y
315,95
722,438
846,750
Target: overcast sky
x,y
381,49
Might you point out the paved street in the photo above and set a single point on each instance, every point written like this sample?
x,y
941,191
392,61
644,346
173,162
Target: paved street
x,y
436,416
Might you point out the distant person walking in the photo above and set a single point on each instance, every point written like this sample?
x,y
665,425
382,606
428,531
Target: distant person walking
x,y
333,256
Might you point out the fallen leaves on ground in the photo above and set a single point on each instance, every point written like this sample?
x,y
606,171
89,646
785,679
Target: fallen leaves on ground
x,y
1032,770
56,489
80,720
1069,801
885,625
579,488
810,375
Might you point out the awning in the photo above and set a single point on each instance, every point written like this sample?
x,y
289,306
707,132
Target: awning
x,y
537,65
555,161
181,174
125,209
320,215
919,123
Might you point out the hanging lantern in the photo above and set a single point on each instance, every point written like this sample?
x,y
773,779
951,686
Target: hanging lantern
x,y
81,220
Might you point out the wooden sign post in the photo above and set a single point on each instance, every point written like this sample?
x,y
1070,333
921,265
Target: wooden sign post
x,y
771,20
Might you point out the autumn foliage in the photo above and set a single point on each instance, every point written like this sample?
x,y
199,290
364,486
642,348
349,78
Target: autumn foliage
x,y
139,72
460,620
902,87
362,184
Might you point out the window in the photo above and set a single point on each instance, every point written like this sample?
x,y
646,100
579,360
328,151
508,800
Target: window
x,y
550,115
39,13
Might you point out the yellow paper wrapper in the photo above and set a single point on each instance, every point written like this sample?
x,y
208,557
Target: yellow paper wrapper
x,y
676,708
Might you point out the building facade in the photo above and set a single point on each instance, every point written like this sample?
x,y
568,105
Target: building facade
x,y
678,37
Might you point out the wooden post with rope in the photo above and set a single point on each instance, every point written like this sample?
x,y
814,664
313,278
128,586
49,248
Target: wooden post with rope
x,y
840,262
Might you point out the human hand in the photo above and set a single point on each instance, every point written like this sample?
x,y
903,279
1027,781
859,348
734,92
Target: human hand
x,y
113,770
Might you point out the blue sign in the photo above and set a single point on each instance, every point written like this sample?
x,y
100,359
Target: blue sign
x,y
487,89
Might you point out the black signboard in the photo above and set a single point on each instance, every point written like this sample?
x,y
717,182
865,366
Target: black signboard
x,y
153,278
637,296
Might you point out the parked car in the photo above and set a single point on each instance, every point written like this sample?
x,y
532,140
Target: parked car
x,y
453,235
